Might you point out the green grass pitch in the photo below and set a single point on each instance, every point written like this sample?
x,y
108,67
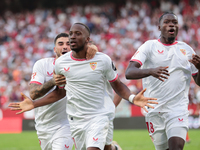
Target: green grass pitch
x,y
127,139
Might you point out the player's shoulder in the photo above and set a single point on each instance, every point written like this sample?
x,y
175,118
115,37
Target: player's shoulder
x,y
45,60
100,55
150,42
183,45
64,57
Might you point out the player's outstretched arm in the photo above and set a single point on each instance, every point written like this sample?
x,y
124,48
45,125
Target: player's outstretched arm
x,y
25,105
28,104
38,90
139,100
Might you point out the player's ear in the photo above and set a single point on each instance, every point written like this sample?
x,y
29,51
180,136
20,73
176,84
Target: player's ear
x,y
88,39
54,49
159,28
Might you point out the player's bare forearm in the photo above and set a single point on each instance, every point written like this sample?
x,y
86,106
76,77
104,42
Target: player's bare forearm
x,y
36,91
121,89
117,100
133,71
52,97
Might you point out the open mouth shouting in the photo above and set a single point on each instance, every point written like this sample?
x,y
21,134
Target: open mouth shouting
x,y
171,31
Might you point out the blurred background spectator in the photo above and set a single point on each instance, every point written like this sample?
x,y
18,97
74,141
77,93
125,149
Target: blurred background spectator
x,y
118,28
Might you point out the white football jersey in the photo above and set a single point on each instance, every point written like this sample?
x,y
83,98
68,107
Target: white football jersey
x,y
52,116
172,94
86,83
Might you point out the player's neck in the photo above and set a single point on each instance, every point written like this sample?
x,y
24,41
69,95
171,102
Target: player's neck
x,y
79,55
167,40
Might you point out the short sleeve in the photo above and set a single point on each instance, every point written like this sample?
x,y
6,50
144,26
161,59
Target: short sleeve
x,y
38,73
141,54
110,70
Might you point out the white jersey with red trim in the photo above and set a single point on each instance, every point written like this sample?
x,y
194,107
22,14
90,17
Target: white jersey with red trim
x,y
86,83
52,116
172,94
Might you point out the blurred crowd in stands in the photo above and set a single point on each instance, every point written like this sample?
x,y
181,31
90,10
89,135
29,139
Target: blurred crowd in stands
x,y
116,30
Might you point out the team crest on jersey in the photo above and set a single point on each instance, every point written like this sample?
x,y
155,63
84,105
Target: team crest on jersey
x,y
183,51
34,74
93,65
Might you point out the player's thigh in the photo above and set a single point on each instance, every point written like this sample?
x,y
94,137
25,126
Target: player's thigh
x,y
78,131
156,127
62,139
62,144
109,137
180,132
177,125
45,140
97,132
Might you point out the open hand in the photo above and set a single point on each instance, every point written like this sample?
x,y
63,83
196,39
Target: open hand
x,y
141,101
25,105
160,72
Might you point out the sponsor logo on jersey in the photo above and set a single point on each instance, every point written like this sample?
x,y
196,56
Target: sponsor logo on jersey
x,y
180,119
34,74
93,65
49,74
183,51
95,139
66,146
160,51
67,69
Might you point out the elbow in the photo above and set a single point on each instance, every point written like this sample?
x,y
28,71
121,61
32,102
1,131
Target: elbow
x,y
32,95
127,75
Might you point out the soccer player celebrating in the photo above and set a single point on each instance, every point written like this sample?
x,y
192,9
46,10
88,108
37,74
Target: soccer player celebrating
x,y
51,120
166,68
87,108
86,80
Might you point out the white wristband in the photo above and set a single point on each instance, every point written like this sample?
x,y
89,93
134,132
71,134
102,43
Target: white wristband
x,y
131,97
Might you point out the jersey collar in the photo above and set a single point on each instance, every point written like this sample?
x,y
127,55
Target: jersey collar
x,y
168,44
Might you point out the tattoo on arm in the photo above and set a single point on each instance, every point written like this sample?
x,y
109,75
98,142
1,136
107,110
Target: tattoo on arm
x,y
37,91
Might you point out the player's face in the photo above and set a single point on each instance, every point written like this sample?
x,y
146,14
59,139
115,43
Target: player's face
x,y
78,37
62,46
169,27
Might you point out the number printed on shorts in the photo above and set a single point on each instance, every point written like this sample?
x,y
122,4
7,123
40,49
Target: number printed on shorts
x,y
150,127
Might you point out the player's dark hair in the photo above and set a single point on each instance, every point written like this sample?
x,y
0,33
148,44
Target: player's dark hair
x,y
88,29
60,35
168,12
